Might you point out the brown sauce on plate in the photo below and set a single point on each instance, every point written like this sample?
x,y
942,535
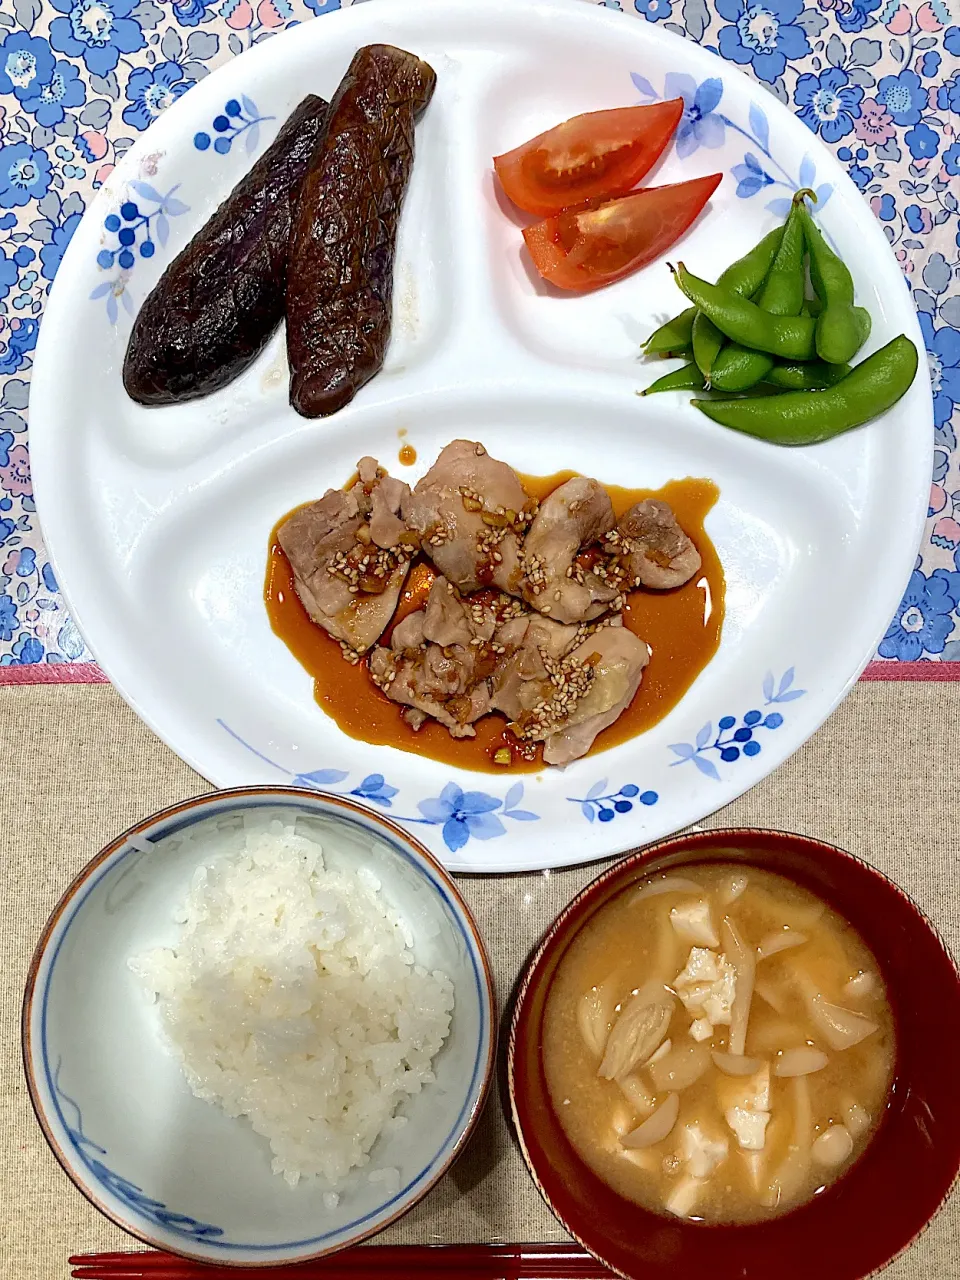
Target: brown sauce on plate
x,y
682,628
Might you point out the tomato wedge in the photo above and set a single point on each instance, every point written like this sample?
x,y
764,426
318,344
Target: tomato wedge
x,y
590,157
586,248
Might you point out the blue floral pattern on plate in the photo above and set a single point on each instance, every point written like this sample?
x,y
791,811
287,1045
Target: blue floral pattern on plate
x,y
597,807
460,814
89,1153
132,233
465,815
238,117
737,739
702,125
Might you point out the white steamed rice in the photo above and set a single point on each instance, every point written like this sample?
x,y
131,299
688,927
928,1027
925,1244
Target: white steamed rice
x,y
292,997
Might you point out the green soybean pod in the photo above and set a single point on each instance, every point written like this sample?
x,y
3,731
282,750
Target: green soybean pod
x,y
805,377
790,337
736,367
839,329
807,417
687,378
743,277
707,343
782,292
864,322
675,335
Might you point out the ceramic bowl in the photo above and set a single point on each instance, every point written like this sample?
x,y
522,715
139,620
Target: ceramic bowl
x,y
875,1210
178,1172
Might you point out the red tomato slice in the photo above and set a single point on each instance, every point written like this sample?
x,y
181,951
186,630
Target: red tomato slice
x,y
586,248
591,157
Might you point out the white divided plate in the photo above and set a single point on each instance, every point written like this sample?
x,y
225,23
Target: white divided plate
x,y
158,519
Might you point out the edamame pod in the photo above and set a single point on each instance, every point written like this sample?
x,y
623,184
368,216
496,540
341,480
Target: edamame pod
x,y
805,377
807,417
838,327
747,274
864,323
790,337
782,292
743,277
675,335
687,378
736,367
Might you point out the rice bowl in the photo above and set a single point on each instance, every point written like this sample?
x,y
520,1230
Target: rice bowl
x,y
113,1100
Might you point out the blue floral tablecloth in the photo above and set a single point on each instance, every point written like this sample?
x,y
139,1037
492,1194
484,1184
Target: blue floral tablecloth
x,y
878,81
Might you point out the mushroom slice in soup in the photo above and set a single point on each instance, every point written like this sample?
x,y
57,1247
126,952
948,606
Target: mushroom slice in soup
x,y
857,1118
803,1061
637,1093
594,1015
833,1147
661,1052
780,940
792,1173
638,1031
732,1064
656,1127
841,1028
669,884
745,964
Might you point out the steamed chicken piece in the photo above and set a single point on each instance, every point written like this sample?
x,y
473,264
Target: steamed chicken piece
x,y
649,548
534,646
617,658
576,515
469,511
350,553
562,688
439,660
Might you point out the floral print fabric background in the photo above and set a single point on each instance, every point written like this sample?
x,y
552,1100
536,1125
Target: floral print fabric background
x,y
877,80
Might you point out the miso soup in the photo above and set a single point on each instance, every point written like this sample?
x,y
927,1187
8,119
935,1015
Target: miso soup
x,y
718,1044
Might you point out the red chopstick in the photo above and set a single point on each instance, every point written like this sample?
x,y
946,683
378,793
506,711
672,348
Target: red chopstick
x,y
369,1262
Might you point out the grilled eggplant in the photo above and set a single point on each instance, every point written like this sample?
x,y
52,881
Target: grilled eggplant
x,y
215,306
340,282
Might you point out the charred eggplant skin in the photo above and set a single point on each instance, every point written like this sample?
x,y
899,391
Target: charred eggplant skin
x,y
215,306
340,283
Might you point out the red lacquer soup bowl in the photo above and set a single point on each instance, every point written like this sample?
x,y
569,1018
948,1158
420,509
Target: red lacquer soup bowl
x,y
887,1197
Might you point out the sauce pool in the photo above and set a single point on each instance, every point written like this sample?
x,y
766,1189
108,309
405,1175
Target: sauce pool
x,y
682,628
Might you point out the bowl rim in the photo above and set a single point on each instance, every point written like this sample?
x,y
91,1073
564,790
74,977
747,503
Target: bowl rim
x,y
207,799
622,866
